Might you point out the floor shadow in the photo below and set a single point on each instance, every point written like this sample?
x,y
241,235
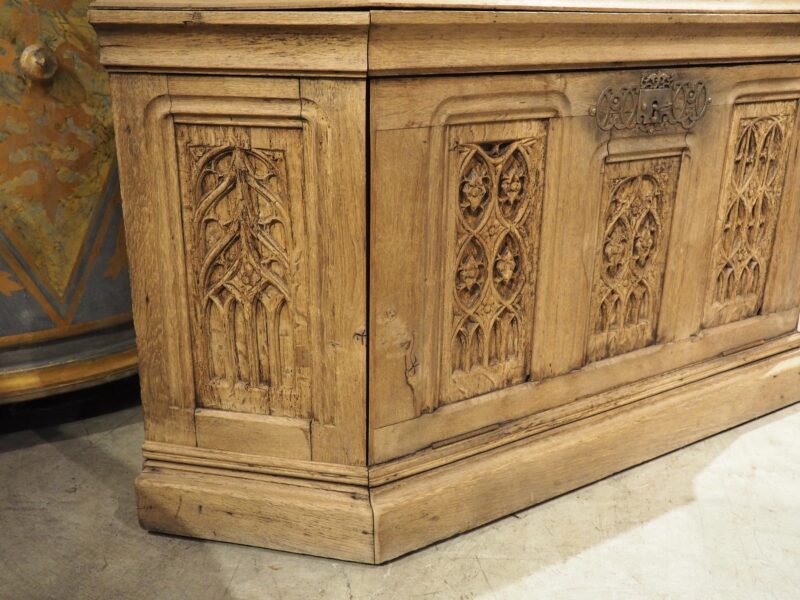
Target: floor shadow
x,y
77,499
53,411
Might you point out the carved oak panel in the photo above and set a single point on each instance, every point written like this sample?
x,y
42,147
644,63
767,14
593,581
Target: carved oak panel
x,y
638,199
750,202
244,228
495,200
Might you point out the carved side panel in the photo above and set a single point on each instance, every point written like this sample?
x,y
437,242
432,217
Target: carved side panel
x,y
495,199
755,168
245,236
638,201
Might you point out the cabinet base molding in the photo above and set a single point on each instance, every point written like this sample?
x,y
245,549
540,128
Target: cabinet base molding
x,y
282,513
376,524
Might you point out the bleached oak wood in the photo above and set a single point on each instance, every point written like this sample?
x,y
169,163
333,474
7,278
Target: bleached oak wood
x,y
276,43
339,429
375,309
242,433
158,283
255,463
207,499
473,415
450,449
423,42
336,522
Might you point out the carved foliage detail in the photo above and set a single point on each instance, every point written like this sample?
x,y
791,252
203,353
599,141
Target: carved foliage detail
x,y
240,237
638,200
751,199
498,196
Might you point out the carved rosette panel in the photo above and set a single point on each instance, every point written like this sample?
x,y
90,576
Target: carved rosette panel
x,y
755,169
241,239
497,203
638,202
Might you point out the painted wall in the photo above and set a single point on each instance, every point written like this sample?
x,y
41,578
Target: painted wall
x,y
63,269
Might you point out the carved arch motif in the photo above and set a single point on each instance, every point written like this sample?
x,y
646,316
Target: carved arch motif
x,y
241,238
638,201
497,194
752,194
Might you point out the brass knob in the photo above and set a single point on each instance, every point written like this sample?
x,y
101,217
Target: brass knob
x,y
38,62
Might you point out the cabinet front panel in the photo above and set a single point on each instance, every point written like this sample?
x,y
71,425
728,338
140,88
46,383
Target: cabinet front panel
x,y
494,206
648,211
751,196
638,199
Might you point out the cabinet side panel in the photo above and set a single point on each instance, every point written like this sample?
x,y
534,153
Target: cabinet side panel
x,y
244,226
148,180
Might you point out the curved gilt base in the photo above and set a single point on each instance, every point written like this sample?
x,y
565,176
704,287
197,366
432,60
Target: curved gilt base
x,y
340,515
43,381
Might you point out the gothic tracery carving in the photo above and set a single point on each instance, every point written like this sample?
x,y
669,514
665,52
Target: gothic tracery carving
x,y
638,200
240,238
498,195
755,169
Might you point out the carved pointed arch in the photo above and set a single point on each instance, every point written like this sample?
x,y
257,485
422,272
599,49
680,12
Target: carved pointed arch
x,y
243,236
495,203
638,201
752,195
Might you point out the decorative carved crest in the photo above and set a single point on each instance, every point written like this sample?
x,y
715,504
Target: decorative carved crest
x,y
638,201
755,169
659,100
498,197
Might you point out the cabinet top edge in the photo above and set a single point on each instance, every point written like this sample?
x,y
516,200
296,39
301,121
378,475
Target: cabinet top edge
x,y
198,36
592,6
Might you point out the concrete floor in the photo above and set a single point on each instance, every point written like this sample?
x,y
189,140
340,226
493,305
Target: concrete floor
x,y
720,519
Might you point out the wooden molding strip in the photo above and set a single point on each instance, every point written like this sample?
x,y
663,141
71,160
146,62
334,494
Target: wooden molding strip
x,y
540,397
188,37
670,6
432,42
485,440
276,43
236,461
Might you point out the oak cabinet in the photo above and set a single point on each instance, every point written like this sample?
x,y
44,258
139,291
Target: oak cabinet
x,y
398,272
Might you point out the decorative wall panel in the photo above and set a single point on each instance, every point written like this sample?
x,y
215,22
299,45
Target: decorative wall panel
x,y
496,202
638,198
64,287
750,203
245,235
